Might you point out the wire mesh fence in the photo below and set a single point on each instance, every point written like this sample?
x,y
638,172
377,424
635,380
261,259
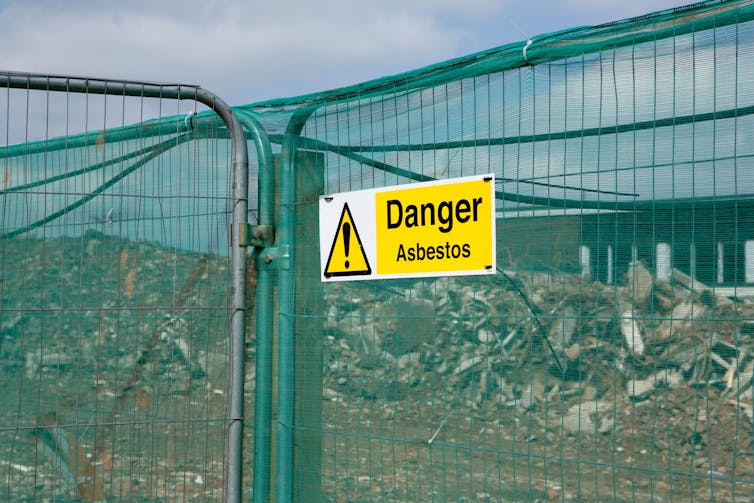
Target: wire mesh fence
x,y
116,295
609,359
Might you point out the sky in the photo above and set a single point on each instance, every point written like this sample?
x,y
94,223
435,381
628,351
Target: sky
x,y
248,51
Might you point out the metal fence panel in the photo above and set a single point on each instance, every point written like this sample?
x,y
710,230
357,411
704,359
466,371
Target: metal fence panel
x,y
610,357
115,280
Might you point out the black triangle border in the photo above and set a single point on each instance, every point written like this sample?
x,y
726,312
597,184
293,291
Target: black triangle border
x,y
362,272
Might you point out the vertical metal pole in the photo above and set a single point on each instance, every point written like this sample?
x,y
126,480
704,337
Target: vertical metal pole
x,y
240,195
287,231
263,309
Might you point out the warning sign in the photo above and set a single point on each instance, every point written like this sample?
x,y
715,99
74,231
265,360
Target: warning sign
x,y
347,257
440,228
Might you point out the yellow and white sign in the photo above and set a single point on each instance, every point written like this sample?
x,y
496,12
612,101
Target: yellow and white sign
x,y
439,228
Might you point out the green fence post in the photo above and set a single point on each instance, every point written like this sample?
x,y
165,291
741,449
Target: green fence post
x,y
307,437
286,362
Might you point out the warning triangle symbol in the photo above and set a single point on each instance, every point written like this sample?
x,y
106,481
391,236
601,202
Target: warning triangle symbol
x,y
347,256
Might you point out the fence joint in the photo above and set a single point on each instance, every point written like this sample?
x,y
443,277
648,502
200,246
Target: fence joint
x,y
275,258
262,236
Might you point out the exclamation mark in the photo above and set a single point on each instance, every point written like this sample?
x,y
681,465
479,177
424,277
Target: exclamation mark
x,y
347,241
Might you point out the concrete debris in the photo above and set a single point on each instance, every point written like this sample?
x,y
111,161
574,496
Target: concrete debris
x,y
641,388
589,417
525,338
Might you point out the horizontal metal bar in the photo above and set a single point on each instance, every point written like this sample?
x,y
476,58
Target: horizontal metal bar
x,y
61,83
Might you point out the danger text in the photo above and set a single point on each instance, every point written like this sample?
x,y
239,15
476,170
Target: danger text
x,y
443,215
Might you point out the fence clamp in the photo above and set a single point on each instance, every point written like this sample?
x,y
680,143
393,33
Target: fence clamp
x,y
275,258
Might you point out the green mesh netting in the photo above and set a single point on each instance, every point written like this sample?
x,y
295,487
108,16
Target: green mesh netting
x,y
609,359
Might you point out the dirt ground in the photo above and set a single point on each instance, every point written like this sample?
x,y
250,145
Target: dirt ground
x,y
438,391
456,413
677,446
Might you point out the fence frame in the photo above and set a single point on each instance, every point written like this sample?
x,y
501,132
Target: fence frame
x,y
239,239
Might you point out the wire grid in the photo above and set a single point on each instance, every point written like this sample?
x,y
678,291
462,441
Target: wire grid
x,y
114,280
611,357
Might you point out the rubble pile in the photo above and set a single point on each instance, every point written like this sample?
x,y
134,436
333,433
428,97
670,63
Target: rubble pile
x,y
520,339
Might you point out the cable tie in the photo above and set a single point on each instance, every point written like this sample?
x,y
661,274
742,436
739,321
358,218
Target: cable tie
x,y
188,122
526,58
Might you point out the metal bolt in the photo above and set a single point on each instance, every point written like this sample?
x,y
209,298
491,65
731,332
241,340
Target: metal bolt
x,y
267,258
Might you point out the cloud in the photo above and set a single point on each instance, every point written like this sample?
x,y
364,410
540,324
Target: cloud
x,y
248,50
